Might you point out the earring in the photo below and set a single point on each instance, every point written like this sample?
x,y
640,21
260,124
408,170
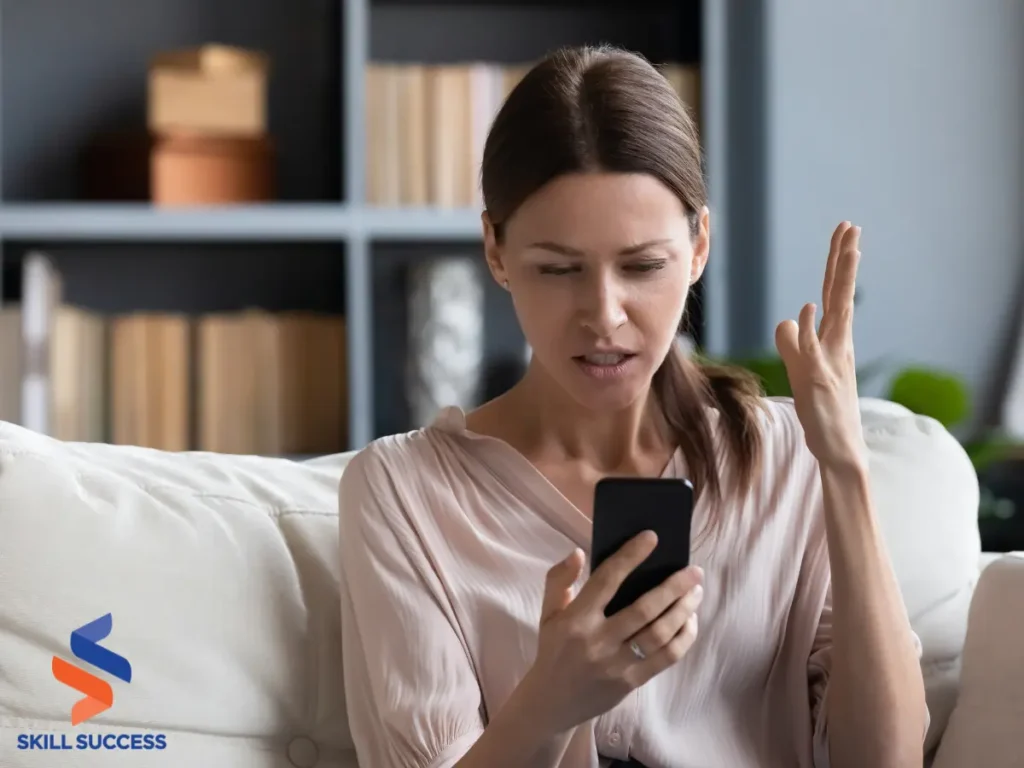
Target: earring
x,y
504,284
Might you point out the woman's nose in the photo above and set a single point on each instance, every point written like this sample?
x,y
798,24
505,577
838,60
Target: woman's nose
x,y
603,309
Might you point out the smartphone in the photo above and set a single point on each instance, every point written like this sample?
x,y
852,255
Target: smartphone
x,y
626,506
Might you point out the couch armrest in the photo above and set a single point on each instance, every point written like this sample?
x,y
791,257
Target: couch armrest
x,y
985,727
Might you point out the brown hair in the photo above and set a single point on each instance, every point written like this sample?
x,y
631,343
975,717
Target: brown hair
x,y
600,108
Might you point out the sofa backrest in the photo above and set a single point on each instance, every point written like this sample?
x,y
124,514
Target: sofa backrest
x,y
219,575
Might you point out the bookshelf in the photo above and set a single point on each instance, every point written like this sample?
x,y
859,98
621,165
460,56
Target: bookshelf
x,y
322,48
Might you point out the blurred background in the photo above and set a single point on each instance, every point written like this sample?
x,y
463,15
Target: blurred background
x,y
252,226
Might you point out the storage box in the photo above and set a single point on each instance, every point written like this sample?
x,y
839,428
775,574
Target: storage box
x,y
188,170
213,89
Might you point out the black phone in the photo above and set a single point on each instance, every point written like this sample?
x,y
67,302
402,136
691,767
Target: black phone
x,y
626,506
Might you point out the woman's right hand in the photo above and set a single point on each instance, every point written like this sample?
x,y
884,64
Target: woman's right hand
x,y
585,664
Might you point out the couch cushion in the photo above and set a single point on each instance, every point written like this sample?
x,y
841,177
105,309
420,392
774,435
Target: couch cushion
x,y
220,578
984,729
926,493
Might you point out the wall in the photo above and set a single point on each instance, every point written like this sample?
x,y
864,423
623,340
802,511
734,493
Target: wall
x,y
907,118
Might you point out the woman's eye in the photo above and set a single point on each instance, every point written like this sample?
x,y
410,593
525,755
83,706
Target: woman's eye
x,y
639,266
646,266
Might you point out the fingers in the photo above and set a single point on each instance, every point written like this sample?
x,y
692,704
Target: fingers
x,y
799,340
650,607
660,632
606,579
666,655
806,334
846,281
559,583
810,347
787,341
835,248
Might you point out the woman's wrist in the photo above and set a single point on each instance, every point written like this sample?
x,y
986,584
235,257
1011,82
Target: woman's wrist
x,y
516,736
527,717
525,729
852,466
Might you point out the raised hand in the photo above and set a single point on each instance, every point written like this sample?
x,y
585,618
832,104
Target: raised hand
x,y
820,364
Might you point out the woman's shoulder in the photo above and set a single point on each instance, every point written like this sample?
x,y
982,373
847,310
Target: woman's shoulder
x,y
781,424
784,492
386,472
784,445
410,450
389,459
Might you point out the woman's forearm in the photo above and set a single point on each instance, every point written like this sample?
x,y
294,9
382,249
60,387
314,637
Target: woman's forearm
x,y
876,706
514,738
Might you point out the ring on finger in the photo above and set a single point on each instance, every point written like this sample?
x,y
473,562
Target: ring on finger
x,y
637,650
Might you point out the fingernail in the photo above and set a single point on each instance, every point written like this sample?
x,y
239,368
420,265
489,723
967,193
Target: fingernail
x,y
699,571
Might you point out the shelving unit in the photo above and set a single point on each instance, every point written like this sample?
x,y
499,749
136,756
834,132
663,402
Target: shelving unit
x,y
365,235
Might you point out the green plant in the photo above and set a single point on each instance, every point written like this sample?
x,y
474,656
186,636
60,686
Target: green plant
x,y
947,399
938,394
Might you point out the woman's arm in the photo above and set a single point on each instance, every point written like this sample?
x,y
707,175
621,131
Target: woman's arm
x,y
412,694
875,708
514,738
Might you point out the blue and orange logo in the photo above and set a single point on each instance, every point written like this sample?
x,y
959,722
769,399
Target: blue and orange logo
x,y
85,645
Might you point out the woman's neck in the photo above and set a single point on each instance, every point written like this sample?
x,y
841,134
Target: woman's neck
x,y
548,425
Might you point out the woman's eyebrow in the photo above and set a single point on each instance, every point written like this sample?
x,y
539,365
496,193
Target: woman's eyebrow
x,y
547,245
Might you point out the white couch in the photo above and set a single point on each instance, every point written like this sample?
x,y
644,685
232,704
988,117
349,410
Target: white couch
x,y
220,575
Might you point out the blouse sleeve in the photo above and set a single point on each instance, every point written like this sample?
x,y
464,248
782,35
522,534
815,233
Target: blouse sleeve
x,y
818,668
411,691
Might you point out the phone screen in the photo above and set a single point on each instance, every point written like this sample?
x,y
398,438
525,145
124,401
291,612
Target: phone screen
x,y
623,507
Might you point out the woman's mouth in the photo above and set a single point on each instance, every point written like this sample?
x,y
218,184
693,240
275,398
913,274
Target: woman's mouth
x,y
606,365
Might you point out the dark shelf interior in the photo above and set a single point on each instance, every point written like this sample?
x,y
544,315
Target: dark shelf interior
x,y
514,33
192,278
75,72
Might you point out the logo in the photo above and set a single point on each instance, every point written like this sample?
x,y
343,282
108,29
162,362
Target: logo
x,y
99,697
85,645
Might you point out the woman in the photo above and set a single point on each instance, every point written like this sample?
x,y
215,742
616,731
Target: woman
x,y
473,633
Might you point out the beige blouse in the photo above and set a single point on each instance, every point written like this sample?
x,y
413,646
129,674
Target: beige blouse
x,y
446,537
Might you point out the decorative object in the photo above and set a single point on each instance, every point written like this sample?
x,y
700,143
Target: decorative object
x,y
207,112
210,90
445,364
211,170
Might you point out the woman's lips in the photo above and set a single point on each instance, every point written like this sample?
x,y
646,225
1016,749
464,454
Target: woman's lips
x,y
606,366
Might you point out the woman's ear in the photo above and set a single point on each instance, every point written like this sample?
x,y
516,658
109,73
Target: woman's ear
x,y
493,252
701,245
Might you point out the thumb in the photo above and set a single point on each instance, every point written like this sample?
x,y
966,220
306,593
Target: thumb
x,y
558,586
787,341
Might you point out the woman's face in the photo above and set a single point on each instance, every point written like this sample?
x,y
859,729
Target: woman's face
x,y
599,266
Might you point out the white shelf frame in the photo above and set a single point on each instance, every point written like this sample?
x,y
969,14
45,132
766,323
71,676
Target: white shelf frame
x,y
276,221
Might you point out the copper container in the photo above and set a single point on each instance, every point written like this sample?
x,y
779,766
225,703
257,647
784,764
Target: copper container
x,y
188,170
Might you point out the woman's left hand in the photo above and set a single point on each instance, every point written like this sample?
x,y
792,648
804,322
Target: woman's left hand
x,y
820,364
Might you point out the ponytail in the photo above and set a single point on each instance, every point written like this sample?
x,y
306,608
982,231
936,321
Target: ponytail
x,y
689,393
